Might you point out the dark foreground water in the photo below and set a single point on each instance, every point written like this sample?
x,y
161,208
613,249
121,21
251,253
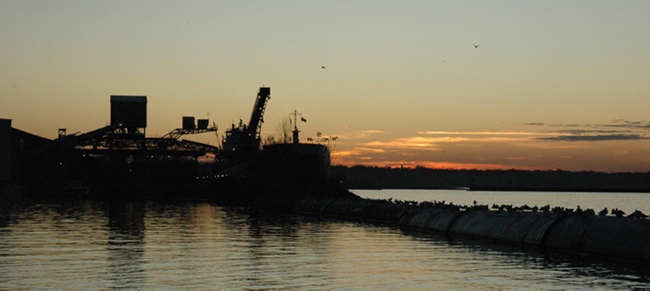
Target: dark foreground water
x,y
99,245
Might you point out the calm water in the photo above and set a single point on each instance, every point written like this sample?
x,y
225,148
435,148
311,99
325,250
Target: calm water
x,y
95,245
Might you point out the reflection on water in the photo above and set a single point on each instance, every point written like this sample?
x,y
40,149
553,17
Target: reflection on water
x,y
125,244
153,246
530,267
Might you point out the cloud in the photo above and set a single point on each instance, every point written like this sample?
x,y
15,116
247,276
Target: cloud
x,y
516,158
342,153
371,150
616,123
605,137
617,129
478,133
417,142
641,124
583,131
360,134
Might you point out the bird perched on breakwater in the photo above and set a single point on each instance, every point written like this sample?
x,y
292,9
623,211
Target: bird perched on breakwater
x,y
618,212
603,212
546,208
578,210
637,214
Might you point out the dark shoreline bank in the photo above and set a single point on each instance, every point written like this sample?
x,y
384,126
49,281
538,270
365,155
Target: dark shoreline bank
x,y
362,177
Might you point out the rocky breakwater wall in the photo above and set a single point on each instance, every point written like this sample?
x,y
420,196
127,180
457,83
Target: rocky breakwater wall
x,y
558,229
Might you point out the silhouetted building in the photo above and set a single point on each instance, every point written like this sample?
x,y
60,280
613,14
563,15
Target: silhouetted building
x,y
189,122
129,111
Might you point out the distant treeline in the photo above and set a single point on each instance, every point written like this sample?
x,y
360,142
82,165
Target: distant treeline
x,y
364,177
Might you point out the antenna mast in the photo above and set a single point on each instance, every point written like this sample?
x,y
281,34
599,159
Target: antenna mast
x,y
295,114
295,119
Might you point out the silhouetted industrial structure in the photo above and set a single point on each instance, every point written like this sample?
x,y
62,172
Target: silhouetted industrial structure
x,y
120,156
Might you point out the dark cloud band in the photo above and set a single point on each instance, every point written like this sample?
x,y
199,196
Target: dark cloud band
x,y
605,137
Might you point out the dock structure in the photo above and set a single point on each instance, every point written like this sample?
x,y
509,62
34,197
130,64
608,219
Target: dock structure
x,y
111,156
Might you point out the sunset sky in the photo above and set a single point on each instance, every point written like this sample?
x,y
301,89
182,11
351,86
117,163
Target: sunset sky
x,y
551,85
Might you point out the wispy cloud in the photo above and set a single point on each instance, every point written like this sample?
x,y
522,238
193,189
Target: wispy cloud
x,y
371,150
607,137
360,134
616,123
494,133
641,124
583,131
417,142
618,129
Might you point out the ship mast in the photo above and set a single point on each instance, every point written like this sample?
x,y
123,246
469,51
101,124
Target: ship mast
x,y
295,114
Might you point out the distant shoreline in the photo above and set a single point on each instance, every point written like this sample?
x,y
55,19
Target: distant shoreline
x,y
362,177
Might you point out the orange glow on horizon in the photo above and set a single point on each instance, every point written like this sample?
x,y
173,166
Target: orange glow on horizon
x,y
437,165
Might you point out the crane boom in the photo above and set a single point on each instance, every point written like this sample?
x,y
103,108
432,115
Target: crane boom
x,y
257,117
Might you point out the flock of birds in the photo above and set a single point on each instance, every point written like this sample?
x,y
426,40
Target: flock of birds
x,y
524,208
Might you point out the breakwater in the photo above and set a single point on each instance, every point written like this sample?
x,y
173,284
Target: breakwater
x,y
580,232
